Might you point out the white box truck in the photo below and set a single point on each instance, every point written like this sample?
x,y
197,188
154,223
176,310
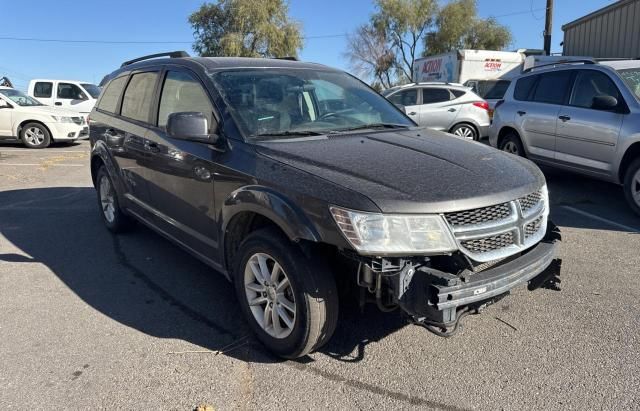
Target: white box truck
x,y
461,65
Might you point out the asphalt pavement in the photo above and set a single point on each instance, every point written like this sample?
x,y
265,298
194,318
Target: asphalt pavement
x,y
92,320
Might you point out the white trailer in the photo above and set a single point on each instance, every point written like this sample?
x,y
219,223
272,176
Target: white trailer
x,y
461,65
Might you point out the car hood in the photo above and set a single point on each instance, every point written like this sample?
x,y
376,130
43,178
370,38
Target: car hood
x,y
412,171
50,110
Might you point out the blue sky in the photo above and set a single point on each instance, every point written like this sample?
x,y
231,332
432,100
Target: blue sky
x,y
153,20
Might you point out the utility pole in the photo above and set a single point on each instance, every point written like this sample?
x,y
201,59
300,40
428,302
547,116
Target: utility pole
x,y
548,24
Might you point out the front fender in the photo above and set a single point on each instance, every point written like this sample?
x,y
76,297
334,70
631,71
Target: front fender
x,y
272,205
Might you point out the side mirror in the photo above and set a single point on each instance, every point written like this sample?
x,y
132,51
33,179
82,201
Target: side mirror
x,y
604,102
193,126
4,104
401,107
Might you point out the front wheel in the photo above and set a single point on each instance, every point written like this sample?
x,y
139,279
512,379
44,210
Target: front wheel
x,y
35,135
465,131
632,186
290,300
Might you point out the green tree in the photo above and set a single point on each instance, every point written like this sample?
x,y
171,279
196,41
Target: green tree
x,y
458,26
245,28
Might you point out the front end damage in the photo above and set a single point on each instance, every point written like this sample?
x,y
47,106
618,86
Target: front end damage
x,y
436,292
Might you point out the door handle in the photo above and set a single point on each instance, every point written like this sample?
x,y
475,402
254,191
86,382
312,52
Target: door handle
x,y
57,103
451,110
521,113
413,113
564,118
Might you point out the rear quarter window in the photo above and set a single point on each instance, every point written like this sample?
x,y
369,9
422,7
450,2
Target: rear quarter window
x,y
111,95
523,88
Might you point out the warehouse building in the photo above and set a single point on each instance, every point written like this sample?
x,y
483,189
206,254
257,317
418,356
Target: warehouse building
x,y
611,32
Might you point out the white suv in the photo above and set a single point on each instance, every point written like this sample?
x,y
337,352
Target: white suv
x,y
34,123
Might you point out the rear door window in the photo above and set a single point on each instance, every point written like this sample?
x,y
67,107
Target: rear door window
x,y
589,84
43,89
405,97
111,95
435,95
137,100
553,87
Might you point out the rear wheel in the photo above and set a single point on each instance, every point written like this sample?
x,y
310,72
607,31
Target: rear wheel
x,y
112,215
632,186
511,144
35,135
465,131
290,300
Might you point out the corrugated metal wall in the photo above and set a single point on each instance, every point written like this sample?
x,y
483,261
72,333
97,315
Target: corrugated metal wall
x,y
608,33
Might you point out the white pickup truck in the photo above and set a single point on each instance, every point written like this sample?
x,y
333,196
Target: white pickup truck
x,y
78,96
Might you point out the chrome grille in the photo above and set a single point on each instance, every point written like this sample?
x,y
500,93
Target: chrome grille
x,y
532,228
495,232
479,215
530,201
484,245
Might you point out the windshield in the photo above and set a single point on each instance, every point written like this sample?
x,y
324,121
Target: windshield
x,y
271,103
92,89
19,97
631,76
491,90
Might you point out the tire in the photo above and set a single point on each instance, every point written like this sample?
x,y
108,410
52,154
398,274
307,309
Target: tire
x,y
35,135
311,291
465,130
632,186
112,215
511,144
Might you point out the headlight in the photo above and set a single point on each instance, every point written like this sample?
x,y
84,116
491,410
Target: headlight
x,y
62,119
371,233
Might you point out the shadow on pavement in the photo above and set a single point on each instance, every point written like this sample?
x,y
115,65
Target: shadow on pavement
x,y
143,281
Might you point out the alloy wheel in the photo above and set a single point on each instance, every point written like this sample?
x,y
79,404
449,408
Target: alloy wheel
x,y
270,296
510,147
635,187
107,199
465,132
34,136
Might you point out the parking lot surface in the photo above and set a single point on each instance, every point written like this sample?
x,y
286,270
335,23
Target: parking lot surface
x,y
91,320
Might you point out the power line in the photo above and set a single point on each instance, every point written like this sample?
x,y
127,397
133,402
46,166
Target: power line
x,y
519,12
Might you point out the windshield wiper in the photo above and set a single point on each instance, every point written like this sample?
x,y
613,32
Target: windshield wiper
x,y
301,133
374,126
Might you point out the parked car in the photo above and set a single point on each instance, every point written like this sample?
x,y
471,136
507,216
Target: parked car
x,y
79,96
490,91
444,106
297,181
583,117
35,124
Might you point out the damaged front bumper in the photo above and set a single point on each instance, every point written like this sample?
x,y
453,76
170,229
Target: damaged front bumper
x,y
437,298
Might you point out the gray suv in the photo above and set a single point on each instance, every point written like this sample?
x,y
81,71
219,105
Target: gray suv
x,y
581,116
448,107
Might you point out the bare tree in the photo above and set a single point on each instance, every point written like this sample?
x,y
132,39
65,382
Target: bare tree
x,y
370,56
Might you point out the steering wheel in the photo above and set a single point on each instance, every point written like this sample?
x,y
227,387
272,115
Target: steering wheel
x,y
328,115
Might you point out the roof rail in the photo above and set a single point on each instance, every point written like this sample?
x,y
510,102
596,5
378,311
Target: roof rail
x,y
559,63
170,54
290,58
